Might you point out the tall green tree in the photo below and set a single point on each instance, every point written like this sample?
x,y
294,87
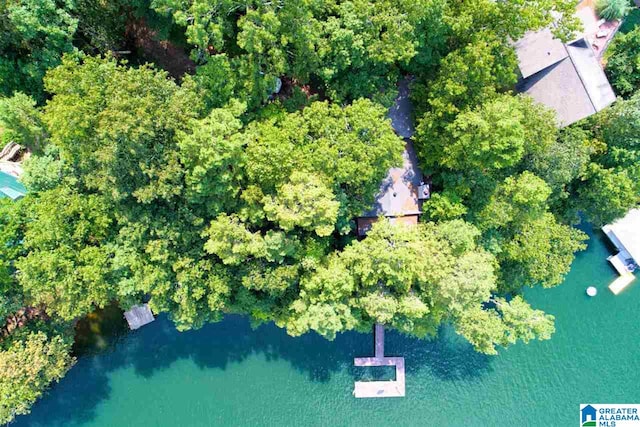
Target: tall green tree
x,y
12,225
384,279
67,267
27,367
35,34
623,62
606,194
352,148
116,126
21,122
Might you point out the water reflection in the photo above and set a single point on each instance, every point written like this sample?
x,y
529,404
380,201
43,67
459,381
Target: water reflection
x,y
156,347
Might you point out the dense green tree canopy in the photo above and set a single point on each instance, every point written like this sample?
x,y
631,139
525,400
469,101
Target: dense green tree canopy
x,y
26,369
413,279
623,62
35,34
609,185
354,47
213,194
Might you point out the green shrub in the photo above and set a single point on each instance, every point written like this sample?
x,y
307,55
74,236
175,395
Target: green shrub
x,y
612,9
623,62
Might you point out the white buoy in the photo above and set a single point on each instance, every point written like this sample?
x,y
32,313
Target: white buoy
x,y
592,291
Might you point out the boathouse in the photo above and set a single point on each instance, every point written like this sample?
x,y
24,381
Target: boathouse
x,y
625,236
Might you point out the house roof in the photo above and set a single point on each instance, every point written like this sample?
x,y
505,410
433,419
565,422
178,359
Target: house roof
x,y
537,51
398,194
591,74
566,78
10,187
627,232
401,111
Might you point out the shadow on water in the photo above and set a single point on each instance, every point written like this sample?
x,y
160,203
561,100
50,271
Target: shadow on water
x,y
157,346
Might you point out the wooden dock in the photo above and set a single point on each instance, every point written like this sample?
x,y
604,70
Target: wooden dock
x,y
395,388
621,283
138,316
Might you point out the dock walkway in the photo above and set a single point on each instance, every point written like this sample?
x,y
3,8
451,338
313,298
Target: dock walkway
x,y
366,389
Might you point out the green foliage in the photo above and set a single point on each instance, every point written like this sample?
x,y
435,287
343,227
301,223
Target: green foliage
x,y
352,148
353,48
612,9
504,325
27,368
68,264
125,119
493,136
383,279
35,34
215,195
12,224
606,194
20,121
623,62
444,206
232,242
212,155
305,202
510,20
497,134
609,186
102,23
540,253
46,171
516,200
619,129
563,161
215,81
468,76
530,244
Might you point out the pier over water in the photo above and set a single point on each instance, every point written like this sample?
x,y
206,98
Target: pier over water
x,y
394,388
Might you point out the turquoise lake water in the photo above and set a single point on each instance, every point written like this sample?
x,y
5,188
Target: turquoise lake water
x,y
229,375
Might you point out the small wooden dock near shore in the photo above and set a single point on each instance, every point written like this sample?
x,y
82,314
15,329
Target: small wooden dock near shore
x,y
396,388
138,316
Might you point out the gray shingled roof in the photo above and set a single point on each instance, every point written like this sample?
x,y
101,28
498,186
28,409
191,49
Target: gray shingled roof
x,y
537,51
399,191
574,86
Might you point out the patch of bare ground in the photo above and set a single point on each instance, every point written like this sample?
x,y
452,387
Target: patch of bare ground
x,y
163,53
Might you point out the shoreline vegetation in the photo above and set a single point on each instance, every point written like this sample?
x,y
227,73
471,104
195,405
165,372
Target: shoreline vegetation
x,y
233,188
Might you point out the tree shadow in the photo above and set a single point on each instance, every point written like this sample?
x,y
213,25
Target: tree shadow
x,y
156,347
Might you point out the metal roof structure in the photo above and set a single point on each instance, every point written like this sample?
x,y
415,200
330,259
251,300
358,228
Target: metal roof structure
x,y
10,187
